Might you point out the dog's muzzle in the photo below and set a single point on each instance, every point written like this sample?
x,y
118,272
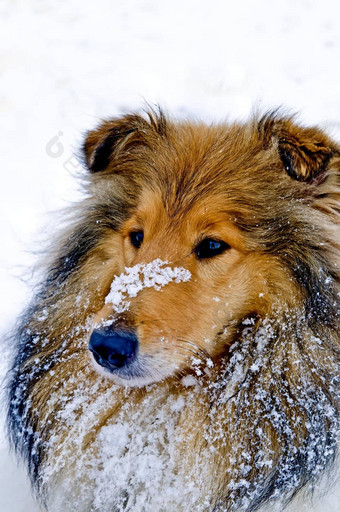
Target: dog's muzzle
x,y
113,348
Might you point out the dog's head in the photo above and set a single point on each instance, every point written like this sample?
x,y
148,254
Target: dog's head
x,y
230,221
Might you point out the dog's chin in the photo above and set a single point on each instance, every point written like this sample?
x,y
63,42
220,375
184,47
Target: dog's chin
x,y
136,374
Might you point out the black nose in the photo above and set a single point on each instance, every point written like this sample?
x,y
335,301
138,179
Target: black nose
x,y
113,349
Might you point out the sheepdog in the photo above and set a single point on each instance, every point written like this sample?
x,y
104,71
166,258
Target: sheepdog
x,y
182,351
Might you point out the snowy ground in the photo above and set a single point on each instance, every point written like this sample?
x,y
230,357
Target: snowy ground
x,y
66,64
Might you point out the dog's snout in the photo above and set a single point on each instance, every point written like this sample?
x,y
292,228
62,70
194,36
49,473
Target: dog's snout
x,y
113,349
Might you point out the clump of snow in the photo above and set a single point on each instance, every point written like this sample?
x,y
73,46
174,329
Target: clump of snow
x,y
189,381
155,274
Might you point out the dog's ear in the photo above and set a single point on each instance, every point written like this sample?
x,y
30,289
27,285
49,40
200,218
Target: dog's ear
x,y
104,143
304,152
115,137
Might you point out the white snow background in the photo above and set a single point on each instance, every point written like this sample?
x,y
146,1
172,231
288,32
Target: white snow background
x,y
66,64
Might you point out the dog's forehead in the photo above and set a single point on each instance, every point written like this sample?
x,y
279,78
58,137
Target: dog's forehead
x,y
215,165
206,208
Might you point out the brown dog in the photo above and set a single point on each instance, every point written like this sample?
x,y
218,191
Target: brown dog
x,y
182,353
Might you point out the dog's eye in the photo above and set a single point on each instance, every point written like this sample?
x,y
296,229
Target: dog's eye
x,y
136,238
209,248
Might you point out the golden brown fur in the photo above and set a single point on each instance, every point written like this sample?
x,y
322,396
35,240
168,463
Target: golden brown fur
x,y
257,423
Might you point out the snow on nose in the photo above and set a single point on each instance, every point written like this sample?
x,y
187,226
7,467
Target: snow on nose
x,y
155,274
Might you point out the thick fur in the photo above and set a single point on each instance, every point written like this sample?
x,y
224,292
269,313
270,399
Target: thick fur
x,y
237,404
